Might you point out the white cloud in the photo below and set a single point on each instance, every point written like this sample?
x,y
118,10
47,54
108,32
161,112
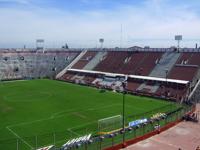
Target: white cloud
x,y
83,28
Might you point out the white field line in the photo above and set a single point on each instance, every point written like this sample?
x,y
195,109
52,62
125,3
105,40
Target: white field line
x,y
39,120
58,116
62,112
55,115
19,137
78,110
52,117
82,125
73,132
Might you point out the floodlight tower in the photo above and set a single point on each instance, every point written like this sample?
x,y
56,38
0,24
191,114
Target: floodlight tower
x,y
101,41
124,84
121,37
166,72
178,38
40,44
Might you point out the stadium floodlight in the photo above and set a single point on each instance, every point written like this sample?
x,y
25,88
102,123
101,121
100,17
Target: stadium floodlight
x,y
124,83
101,41
166,72
40,44
178,38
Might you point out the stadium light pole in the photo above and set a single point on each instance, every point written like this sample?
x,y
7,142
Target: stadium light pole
x,y
123,112
166,72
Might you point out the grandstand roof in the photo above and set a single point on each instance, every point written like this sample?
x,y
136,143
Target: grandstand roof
x,y
132,76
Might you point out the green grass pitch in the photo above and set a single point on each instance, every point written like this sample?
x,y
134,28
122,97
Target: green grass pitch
x,y
56,111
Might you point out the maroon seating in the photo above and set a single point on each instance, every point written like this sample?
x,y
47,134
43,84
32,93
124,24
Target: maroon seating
x,y
184,57
84,60
148,63
89,79
173,91
191,58
112,62
140,63
183,72
67,76
133,84
195,59
134,60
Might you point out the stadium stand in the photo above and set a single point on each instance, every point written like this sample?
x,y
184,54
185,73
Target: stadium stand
x,y
148,87
84,60
82,53
173,91
189,58
33,64
132,62
147,65
156,63
165,64
20,64
132,85
183,59
89,79
183,72
68,76
112,62
98,57
128,62
194,60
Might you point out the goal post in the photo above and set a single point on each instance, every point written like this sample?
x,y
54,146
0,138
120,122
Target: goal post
x,y
109,124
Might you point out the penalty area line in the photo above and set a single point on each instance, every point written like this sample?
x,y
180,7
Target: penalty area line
x,y
19,137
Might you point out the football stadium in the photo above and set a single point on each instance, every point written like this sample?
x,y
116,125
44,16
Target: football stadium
x,y
99,74
94,99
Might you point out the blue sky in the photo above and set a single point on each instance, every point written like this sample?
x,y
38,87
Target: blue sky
x,y
81,23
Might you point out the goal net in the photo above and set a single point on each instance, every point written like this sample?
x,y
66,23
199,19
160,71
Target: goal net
x,y
109,124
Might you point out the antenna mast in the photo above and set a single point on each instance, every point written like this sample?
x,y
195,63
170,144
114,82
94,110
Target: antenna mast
x,y
121,37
